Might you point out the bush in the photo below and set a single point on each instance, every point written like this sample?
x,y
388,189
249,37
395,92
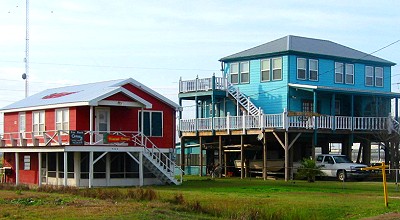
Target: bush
x,y
309,170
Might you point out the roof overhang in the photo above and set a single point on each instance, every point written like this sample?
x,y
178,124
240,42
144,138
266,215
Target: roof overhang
x,y
344,90
139,102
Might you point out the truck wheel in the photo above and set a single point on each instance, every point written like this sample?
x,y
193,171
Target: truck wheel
x,y
341,175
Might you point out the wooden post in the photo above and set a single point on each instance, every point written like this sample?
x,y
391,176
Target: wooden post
x,y
220,154
201,156
40,169
183,154
65,168
241,158
286,156
90,169
264,157
17,168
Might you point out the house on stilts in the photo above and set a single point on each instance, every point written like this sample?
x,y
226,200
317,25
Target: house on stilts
x,y
280,101
113,133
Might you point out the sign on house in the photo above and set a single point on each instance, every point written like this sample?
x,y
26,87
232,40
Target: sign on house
x,y
112,138
76,138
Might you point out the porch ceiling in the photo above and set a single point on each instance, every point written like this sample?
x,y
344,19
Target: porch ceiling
x,y
348,91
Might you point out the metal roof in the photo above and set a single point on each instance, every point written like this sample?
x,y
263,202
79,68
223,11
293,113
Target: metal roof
x,y
292,43
84,95
345,90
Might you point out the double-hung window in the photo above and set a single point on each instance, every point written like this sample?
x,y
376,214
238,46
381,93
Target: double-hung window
x,y
313,72
369,76
244,72
349,79
233,71
338,72
277,68
38,122
301,68
265,70
62,119
379,76
152,123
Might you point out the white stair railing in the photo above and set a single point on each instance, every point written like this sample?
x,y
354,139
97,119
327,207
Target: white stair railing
x,y
244,101
164,164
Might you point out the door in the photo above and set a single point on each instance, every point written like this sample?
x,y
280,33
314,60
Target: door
x,y
22,124
102,122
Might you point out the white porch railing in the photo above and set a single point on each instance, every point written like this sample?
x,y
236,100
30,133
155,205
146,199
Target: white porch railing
x,y
204,84
284,121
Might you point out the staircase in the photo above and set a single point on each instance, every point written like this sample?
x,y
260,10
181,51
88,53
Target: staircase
x,y
243,101
395,126
157,162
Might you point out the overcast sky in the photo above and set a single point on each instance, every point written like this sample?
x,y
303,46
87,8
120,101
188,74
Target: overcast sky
x,y
157,42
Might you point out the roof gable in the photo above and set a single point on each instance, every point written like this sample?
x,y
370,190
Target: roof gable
x,y
81,95
304,45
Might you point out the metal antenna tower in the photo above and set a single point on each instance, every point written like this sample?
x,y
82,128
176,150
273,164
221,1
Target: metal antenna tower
x,y
25,76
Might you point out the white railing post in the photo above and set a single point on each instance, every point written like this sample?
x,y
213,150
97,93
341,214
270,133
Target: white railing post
x,y
59,137
244,122
260,118
248,104
285,119
228,124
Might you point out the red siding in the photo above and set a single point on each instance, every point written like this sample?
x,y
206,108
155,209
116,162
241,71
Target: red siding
x,y
11,122
25,176
119,97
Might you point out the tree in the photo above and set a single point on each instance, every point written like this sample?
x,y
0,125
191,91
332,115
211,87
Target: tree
x,y
309,169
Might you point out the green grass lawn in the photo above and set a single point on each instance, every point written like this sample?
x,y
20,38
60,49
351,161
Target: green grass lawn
x,y
205,198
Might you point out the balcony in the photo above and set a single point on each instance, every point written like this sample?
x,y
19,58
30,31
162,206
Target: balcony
x,y
286,121
206,84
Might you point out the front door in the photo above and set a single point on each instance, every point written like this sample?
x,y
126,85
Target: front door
x,y
102,122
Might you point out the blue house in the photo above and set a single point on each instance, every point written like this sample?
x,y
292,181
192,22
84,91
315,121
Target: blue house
x,y
281,100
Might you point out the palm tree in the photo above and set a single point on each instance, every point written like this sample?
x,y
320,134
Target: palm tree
x,y
308,169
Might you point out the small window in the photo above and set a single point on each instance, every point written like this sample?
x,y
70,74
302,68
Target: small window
x,y
301,68
62,119
27,162
349,74
338,72
152,123
265,70
38,123
369,76
313,70
307,106
233,71
379,76
277,68
319,158
244,72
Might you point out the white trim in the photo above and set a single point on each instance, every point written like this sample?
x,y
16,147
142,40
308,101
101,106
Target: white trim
x,y
107,109
309,69
371,76
280,68
120,103
126,92
247,63
342,72
346,73
383,74
302,86
62,118
150,121
43,107
39,131
269,70
233,73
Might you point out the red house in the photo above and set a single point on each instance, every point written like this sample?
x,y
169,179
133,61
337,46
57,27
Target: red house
x,y
113,133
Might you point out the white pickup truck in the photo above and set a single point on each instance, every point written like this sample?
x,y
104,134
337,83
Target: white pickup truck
x,y
339,166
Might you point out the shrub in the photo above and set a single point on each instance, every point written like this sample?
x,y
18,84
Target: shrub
x,y
309,170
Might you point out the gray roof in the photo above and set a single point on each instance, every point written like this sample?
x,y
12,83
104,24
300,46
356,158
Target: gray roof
x,y
305,45
86,94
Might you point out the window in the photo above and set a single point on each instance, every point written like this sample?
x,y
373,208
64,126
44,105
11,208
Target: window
x,y
244,72
22,123
265,70
369,76
277,68
62,119
152,123
308,106
349,74
301,68
338,72
27,162
379,76
38,122
313,70
233,71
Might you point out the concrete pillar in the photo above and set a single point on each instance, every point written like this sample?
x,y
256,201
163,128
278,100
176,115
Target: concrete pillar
x,y
141,179
108,169
77,168
65,168
242,171
39,169
90,169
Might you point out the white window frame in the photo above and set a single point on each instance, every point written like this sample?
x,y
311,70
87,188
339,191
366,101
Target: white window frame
x,y
380,77
27,162
309,70
234,73
369,74
40,124
150,122
305,68
242,72
339,69
63,122
347,73
277,68
266,70
22,123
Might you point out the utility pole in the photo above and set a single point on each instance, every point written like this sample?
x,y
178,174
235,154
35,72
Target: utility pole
x,y
25,76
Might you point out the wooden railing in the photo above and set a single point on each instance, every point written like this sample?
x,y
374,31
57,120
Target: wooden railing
x,y
285,121
196,85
